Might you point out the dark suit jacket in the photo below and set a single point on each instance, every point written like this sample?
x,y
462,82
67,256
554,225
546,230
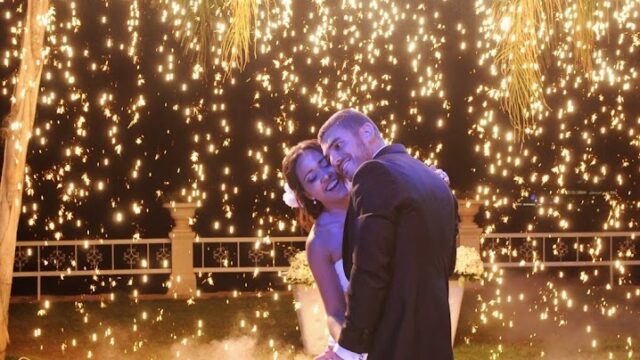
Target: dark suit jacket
x,y
399,250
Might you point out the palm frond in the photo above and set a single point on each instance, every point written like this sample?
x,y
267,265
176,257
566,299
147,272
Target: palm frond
x,y
525,25
237,39
194,24
584,35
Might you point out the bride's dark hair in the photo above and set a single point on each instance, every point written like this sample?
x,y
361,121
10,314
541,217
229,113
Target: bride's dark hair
x,y
309,210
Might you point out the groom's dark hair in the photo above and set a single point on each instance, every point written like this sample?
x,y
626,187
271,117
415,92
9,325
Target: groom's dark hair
x,y
348,119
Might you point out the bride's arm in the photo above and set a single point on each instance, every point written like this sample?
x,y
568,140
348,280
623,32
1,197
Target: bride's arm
x,y
328,283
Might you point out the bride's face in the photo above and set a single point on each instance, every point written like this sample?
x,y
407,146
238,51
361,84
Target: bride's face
x,y
318,178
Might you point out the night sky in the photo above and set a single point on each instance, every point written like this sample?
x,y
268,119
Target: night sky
x,y
156,137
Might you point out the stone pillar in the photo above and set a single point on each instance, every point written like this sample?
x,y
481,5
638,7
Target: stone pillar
x,y
183,277
470,233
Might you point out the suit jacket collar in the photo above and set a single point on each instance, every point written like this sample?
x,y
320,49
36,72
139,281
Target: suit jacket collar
x,y
391,149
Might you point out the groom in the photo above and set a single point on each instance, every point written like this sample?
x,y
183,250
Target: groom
x,y
398,246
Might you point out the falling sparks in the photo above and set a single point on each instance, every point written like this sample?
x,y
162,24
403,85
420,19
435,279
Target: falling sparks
x,y
126,122
563,167
347,61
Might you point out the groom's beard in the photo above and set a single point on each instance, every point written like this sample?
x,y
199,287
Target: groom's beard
x,y
364,154
358,155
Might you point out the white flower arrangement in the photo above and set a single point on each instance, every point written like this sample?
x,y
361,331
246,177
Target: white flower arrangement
x,y
468,264
299,272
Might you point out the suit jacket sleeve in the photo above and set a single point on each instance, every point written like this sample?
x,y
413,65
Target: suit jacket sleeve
x,y
375,198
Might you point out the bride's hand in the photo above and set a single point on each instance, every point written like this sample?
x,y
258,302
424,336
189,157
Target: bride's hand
x,y
328,355
443,175
322,356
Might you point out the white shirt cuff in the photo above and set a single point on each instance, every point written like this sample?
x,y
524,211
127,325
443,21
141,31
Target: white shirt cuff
x,y
346,354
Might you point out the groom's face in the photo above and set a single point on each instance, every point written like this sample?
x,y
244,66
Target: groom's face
x,y
345,149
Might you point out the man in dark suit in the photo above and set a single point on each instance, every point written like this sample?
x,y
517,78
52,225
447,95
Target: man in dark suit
x,y
398,246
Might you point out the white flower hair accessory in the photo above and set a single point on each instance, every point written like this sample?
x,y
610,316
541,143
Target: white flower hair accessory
x,y
289,197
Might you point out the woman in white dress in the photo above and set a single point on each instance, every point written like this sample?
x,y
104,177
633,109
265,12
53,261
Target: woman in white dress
x,y
321,199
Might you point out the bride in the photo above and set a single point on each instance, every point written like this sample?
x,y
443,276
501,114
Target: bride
x,y
321,199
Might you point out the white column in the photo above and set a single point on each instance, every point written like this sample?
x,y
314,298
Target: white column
x,y
470,233
183,278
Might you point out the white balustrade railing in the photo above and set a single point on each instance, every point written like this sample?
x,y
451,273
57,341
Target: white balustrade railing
x,y
184,254
614,250
245,254
62,258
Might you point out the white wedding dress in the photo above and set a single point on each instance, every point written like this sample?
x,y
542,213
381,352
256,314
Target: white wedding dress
x,y
344,283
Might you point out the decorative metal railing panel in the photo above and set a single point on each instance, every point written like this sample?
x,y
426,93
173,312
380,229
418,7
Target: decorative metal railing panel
x,y
91,257
250,254
587,249
245,254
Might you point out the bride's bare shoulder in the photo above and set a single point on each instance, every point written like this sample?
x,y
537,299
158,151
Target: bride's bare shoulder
x,y
318,241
